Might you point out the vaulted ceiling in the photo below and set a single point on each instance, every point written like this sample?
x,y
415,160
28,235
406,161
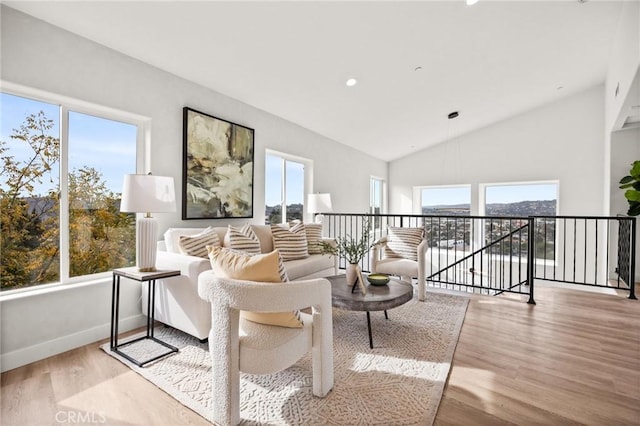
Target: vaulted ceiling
x,y
415,61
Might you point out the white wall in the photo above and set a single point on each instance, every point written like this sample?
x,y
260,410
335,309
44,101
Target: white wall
x,y
624,62
41,56
625,149
624,67
561,141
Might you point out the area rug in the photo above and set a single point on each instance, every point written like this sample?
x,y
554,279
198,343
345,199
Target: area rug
x,y
400,381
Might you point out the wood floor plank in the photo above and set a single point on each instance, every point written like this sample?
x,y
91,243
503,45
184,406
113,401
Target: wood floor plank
x,y
574,358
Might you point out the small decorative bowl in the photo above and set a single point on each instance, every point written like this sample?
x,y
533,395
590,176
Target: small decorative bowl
x,y
378,279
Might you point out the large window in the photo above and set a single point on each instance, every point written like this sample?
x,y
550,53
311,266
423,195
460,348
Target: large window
x,y
446,200
60,183
521,199
376,201
284,188
447,232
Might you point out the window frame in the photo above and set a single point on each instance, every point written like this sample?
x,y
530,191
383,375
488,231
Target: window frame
x,y
67,104
307,184
420,190
482,192
482,205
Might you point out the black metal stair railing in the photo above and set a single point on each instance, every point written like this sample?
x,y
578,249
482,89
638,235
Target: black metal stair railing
x,y
587,250
494,255
491,267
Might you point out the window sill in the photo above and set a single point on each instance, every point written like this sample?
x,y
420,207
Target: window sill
x,y
42,289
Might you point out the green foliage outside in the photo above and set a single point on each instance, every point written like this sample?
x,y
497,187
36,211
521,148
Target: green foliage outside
x,y
101,238
631,183
350,249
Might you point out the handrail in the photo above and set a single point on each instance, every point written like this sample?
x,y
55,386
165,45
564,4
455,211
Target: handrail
x,y
582,250
469,256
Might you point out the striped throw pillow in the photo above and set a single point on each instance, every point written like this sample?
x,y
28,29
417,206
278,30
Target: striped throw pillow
x,y
196,245
243,239
291,243
403,242
314,237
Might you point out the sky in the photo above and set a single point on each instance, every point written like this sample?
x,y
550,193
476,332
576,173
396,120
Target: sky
x,y
273,186
493,194
106,145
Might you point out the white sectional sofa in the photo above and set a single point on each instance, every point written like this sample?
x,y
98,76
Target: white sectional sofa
x,y
177,302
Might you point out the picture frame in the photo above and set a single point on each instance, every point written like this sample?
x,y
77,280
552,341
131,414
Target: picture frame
x,y
217,167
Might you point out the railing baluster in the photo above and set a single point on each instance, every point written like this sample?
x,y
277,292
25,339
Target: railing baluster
x,y
596,255
486,260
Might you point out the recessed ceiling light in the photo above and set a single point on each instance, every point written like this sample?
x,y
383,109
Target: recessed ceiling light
x,y
351,82
471,2
453,115
559,87
417,69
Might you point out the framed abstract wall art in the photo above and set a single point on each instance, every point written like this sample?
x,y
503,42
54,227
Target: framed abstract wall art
x,y
217,170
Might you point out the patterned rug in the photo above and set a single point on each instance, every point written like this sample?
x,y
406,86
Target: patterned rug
x,y
400,381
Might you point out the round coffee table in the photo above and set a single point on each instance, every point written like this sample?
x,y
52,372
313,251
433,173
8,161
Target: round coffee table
x,y
377,298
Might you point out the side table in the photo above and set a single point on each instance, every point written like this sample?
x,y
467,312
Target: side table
x,y
134,274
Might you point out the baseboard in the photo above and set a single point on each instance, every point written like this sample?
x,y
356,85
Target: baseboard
x,y
43,350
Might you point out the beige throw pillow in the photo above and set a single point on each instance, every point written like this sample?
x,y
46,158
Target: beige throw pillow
x,y
266,267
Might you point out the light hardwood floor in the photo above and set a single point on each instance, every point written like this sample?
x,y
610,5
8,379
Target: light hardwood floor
x,y
574,358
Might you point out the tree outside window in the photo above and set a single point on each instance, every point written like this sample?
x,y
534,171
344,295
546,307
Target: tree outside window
x,y
34,248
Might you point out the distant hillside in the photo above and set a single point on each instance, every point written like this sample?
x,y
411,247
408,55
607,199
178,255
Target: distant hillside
x,y
521,208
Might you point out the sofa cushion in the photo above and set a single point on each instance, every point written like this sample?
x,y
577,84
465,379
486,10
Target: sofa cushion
x,y
403,243
291,243
243,238
260,267
309,266
196,245
263,232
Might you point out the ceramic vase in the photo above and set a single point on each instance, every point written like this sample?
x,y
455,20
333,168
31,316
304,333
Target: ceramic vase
x,y
353,269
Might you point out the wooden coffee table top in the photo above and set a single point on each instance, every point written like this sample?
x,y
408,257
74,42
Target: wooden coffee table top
x,y
378,298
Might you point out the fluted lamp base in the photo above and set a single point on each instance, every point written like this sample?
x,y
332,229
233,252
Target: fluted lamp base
x,y
147,228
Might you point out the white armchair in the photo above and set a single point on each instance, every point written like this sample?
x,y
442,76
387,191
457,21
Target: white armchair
x,y
239,345
406,263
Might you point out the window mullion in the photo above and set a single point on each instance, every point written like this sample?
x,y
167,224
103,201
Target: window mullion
x,y
283,192
64,194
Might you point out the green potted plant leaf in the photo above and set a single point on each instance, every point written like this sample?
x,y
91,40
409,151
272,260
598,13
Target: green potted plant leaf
x,y
632,185
351,250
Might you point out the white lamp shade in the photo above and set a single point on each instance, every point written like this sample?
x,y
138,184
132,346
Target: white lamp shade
x,y
148,194
319,203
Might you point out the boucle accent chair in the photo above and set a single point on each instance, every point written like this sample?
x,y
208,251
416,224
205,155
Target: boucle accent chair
x,y
237,344
402,252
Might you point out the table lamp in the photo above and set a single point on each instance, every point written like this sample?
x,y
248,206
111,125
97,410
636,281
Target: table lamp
x,y
319,203
147,194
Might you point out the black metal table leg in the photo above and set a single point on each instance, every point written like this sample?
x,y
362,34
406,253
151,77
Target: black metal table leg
x,y
114,302
385,315
115,311
369,327
151,304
